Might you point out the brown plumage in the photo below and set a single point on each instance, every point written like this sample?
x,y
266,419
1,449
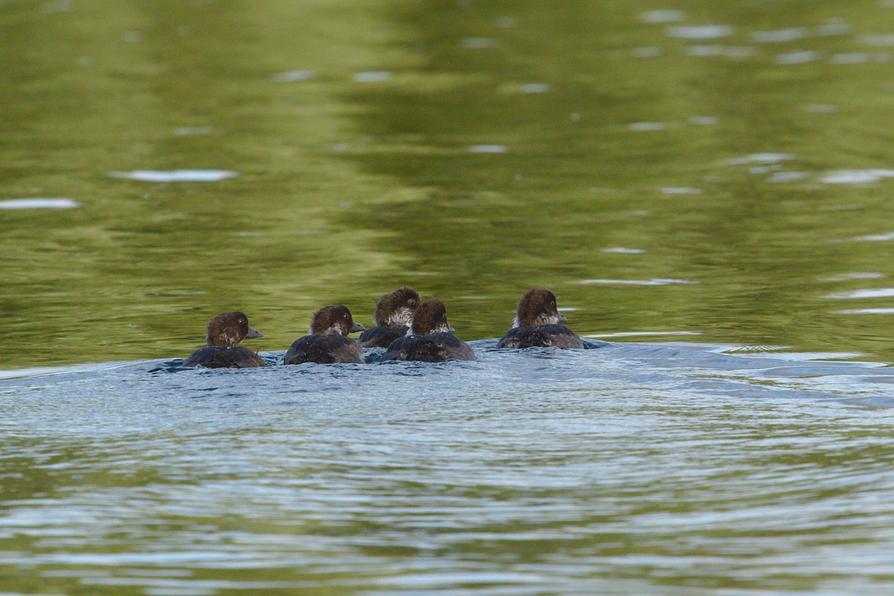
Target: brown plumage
x,y
393,315
223,335
432,338
327,342
538,323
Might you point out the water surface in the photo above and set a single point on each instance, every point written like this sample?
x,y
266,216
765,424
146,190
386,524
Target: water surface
x,y
715,172
636,467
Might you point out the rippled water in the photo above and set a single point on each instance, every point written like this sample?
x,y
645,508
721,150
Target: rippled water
x,y
630,468
719,172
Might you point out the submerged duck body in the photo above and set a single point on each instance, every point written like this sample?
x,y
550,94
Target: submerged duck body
x,y
430,338
327,342
394,313
434,347
218,357
223,335
538,323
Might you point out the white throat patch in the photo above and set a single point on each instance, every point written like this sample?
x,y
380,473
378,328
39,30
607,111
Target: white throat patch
x,y
402,317
335,329
542,319
443,328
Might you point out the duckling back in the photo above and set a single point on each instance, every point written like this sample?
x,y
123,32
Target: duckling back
x,y
555,336
220,357
436,347
323,349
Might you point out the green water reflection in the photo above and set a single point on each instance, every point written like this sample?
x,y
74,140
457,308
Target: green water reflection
x,y
594,130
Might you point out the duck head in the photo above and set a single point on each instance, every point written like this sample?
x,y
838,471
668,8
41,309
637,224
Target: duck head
x,y
334,320
537,307
228,329
430,317
395,309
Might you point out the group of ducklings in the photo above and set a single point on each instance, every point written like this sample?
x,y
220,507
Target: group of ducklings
x,y
406,327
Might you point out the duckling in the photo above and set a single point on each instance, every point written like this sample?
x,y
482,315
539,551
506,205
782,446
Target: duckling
x,y
538,323
223,335
430,338
394,313
327,342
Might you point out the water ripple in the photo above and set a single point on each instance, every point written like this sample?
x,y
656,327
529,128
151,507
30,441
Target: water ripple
x,y
857,176
39,204
662,16
175,175
524,470
656,281
700,31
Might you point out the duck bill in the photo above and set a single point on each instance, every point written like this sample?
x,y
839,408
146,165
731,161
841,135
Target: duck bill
x,y
357,328
253,333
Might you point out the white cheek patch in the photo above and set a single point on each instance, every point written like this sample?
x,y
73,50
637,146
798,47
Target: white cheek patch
x,y
547,319
542,319
400,318
442,328
335,329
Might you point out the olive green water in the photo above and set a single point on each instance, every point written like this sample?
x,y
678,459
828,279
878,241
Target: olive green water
x,y
348,188
731,182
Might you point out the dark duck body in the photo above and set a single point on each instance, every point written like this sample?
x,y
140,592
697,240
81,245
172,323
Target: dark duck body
x,y
538,323
430,338
327,342
394,313
223,335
